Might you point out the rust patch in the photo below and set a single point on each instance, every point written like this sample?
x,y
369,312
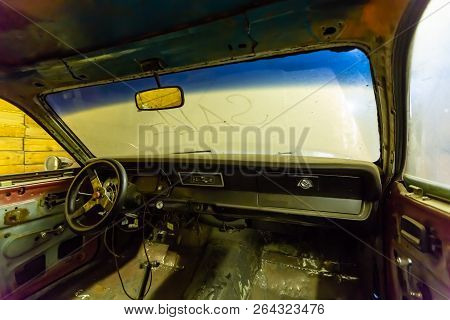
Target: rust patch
x,y
16,216
34,190
381,16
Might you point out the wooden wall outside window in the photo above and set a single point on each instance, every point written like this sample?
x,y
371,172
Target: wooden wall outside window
x,y
24,145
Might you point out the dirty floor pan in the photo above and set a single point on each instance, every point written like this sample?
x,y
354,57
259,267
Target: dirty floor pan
x,y
247,264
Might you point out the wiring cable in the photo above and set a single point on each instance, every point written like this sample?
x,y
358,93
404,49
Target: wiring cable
x,y
112,251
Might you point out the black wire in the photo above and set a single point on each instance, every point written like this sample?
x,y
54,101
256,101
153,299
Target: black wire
x,y
117,267
112,251
145,251
108,248
167,176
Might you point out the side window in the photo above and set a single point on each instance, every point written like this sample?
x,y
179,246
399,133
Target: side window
x,y
428,146
24,145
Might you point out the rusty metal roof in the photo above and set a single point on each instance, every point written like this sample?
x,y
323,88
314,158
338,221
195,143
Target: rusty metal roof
x,y
119,36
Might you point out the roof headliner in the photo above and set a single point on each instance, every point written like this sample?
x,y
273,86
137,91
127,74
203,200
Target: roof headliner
x,y
94,35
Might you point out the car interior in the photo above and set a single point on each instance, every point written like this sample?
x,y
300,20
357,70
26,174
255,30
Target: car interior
x,y
225,150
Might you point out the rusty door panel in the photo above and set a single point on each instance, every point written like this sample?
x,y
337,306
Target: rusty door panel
x,y
32,228
430,270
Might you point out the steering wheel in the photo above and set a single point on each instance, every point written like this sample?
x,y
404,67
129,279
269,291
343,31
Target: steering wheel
x,y
96,196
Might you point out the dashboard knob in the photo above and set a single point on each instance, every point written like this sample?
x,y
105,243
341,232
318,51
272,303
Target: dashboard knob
x,y
305,183
159,205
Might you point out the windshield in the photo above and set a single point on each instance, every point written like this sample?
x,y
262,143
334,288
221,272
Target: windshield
x,y
319,103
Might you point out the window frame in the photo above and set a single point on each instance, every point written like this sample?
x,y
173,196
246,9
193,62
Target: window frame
x,y
403,47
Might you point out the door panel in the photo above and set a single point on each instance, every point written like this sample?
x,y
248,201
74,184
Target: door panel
x,y
36,247
418,245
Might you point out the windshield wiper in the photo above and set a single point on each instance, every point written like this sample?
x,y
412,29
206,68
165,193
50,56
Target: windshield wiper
x,y
287,153
194,151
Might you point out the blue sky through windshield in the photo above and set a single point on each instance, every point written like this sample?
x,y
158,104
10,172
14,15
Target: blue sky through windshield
x,y
284,71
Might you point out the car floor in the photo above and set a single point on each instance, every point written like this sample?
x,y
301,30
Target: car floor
x,y
207,263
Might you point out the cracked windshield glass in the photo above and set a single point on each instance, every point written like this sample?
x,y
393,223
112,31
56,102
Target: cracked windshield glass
x,y
311,104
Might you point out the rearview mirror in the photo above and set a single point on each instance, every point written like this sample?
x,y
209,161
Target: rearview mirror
x,y
160,98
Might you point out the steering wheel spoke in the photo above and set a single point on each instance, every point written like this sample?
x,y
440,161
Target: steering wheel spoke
x,y
83,209
95,180
106,203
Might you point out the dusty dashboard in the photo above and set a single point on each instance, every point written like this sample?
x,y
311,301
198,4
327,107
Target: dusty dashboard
x,y
283,185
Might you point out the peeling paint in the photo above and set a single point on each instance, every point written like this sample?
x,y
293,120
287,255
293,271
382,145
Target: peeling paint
x,y
16,216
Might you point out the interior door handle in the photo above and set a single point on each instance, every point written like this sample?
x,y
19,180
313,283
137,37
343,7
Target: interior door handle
x,y
404,265
415,233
